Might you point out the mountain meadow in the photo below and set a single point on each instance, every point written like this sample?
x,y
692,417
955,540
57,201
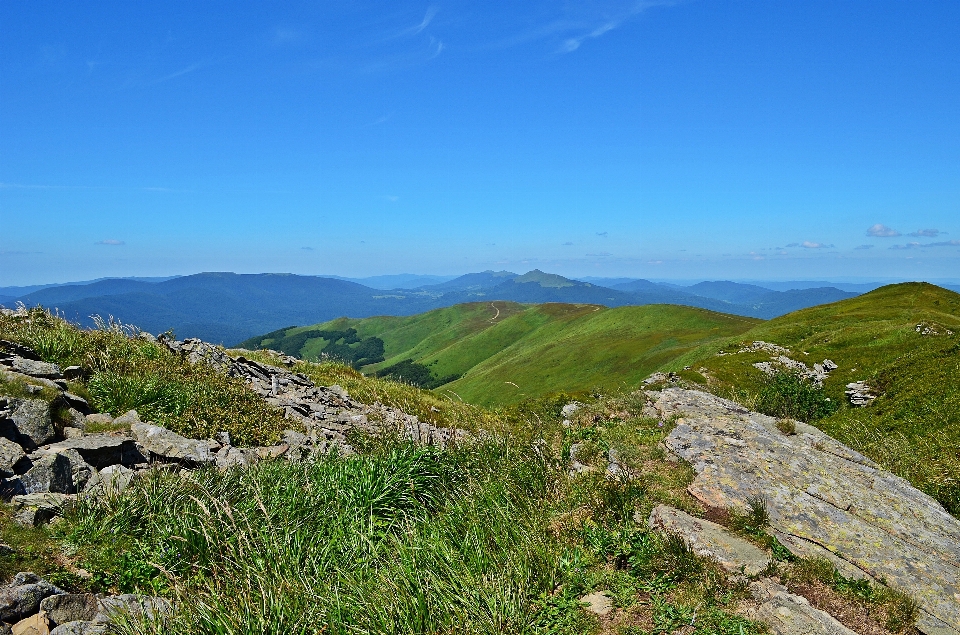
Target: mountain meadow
x,y
488,467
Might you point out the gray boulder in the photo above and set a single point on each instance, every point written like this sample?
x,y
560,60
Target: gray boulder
x,y
32,510
140,606
70,607
97,418
32,421
127,419
22,598
50,473
11,456
80,470
34,368
101,450
787,614
109,481
80,628
171,446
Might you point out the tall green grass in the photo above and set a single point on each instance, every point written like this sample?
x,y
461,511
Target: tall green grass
x,y
489,537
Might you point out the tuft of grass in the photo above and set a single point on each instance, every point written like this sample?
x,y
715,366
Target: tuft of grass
x,y
753,521
895,610
787,426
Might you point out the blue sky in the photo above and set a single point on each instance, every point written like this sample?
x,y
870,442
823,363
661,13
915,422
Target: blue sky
x,y
691,139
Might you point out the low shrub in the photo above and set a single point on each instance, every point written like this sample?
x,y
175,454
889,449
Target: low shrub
x,y
787,395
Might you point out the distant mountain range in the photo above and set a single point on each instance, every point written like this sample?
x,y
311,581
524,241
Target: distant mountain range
x,y
229,308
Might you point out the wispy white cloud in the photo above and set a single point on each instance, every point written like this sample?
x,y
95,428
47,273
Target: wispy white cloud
x,y
573,43
807,244
379,121
882,231
427,19
926,233
915,245
179,73
110,241
864,247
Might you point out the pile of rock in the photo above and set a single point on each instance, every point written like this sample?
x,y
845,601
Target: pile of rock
x,y
30,605
766,347
326,413
816,375
43,469
858,392
926,328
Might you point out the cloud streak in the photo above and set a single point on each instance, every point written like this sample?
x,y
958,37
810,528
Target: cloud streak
x,y
882,231
943,243
110,241
926,233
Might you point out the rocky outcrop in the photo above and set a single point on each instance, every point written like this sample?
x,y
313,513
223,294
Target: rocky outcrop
x,y
788,614
22,598
710,540
823,496
326,413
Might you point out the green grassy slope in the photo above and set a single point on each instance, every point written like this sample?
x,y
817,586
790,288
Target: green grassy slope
x,y
506,352
913,427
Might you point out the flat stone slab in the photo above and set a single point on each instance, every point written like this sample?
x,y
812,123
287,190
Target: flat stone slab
x,y
170,445
100,450
822,492
710,540
788,614
598,603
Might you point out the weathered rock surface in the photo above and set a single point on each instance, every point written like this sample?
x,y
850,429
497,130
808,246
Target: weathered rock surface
x,y
70,607
788,614
171,446
36,509
11,456
109,481
151,608
51,473
32,421
33,625
823,493
710,540
859,394
100,450
80,628
22,598
598,603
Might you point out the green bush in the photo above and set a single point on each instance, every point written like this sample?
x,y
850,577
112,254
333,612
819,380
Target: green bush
x,y
787,395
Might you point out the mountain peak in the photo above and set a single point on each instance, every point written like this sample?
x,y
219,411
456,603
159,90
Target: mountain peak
x,y
550,280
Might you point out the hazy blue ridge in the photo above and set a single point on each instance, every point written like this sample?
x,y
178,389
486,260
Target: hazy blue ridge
x,y
227,308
